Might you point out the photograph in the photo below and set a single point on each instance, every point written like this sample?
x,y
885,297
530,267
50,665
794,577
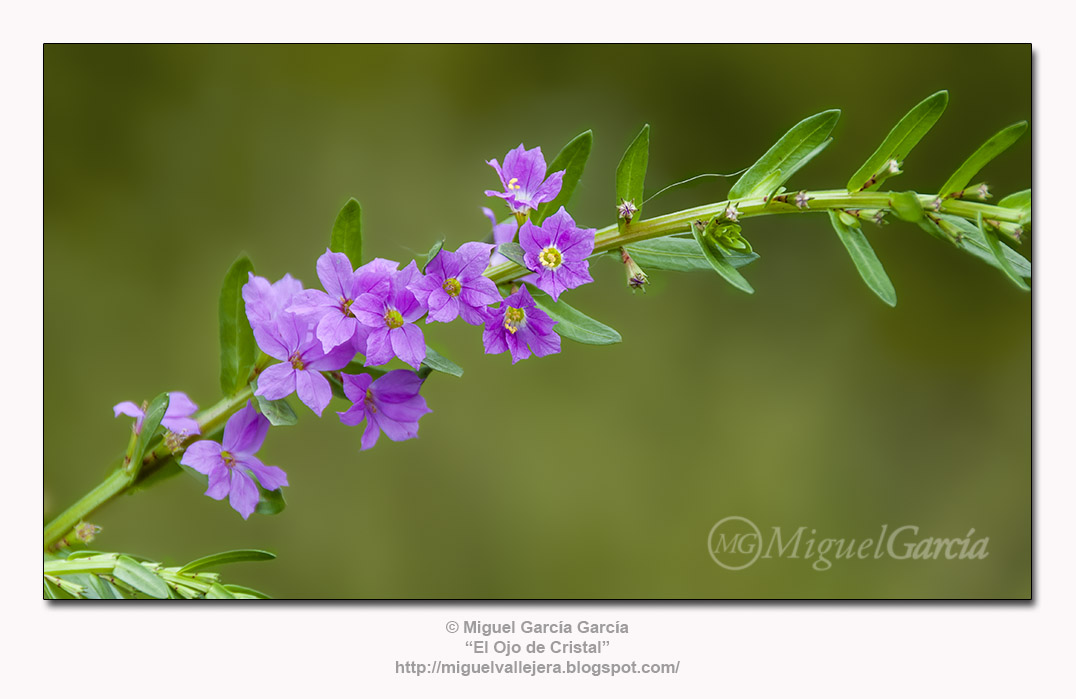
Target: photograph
x,y
537,322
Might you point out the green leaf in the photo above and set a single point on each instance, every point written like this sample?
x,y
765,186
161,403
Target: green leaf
x,y
218,591
237,347
436,362
150,423
862,254
996,249
997,144
574,325
1017,200
900,141
974,243
270,502
279,412
514,252
433,253
134,574
679,255
572,158
346,235
242,591
631,172
791,152
720,264
906,206
225,557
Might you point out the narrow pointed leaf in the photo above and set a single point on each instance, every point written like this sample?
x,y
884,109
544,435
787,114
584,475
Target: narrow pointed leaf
x,y
900,141
996,248
997,145
242,591
679,255
720,264
791,152
1017,200
433,253
436,362
225,557
270,502
975,244
150,423
862,254
514,252
134,574
218,591
631,172
573,325
237,347
572,159
346,236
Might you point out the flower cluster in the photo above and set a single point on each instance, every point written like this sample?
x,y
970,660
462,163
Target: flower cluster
x,y
361,319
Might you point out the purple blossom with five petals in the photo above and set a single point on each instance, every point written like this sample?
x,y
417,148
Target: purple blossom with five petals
x,y
232,467
291,339
391,318
331,310
524,179
389,404
502,233
557,253
265,302
454,285
521,328
177,416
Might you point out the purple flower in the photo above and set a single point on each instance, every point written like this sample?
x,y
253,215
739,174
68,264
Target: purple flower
x,y
291,339
330,310
557,252
265,302
390,404
524,179
177,416
454,285
520,327
502,233
391,316
232,467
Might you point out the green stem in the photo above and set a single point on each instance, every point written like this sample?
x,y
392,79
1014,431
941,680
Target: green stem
x,y
118,481
610,238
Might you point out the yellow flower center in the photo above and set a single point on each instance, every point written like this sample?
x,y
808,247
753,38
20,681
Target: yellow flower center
x,y
451,286
345,304
513,318
512,183
370,401
229,460
297,361
393,319
550,258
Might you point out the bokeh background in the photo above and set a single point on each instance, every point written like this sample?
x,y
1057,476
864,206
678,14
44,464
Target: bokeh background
x,y
599,472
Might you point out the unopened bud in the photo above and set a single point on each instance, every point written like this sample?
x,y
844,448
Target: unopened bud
x,y
732,213
802,199
637,278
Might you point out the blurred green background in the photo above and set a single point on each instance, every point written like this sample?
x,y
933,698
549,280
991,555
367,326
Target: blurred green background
x,y
596,473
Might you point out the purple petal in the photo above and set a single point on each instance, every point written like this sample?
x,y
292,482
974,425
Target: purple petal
x,y
313,390
532,239
181,425
549,189
130,410
277,381
370,435
353,415
397,431
370,310
179,405
473,259
527,166
409,344
335,329
244,494
480,291
219,483
335,272
270,477
203,456
378,347
493,335
245,431
355,386
517,346
396,386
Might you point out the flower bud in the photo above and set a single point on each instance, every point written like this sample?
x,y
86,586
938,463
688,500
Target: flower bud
x,y
637,278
